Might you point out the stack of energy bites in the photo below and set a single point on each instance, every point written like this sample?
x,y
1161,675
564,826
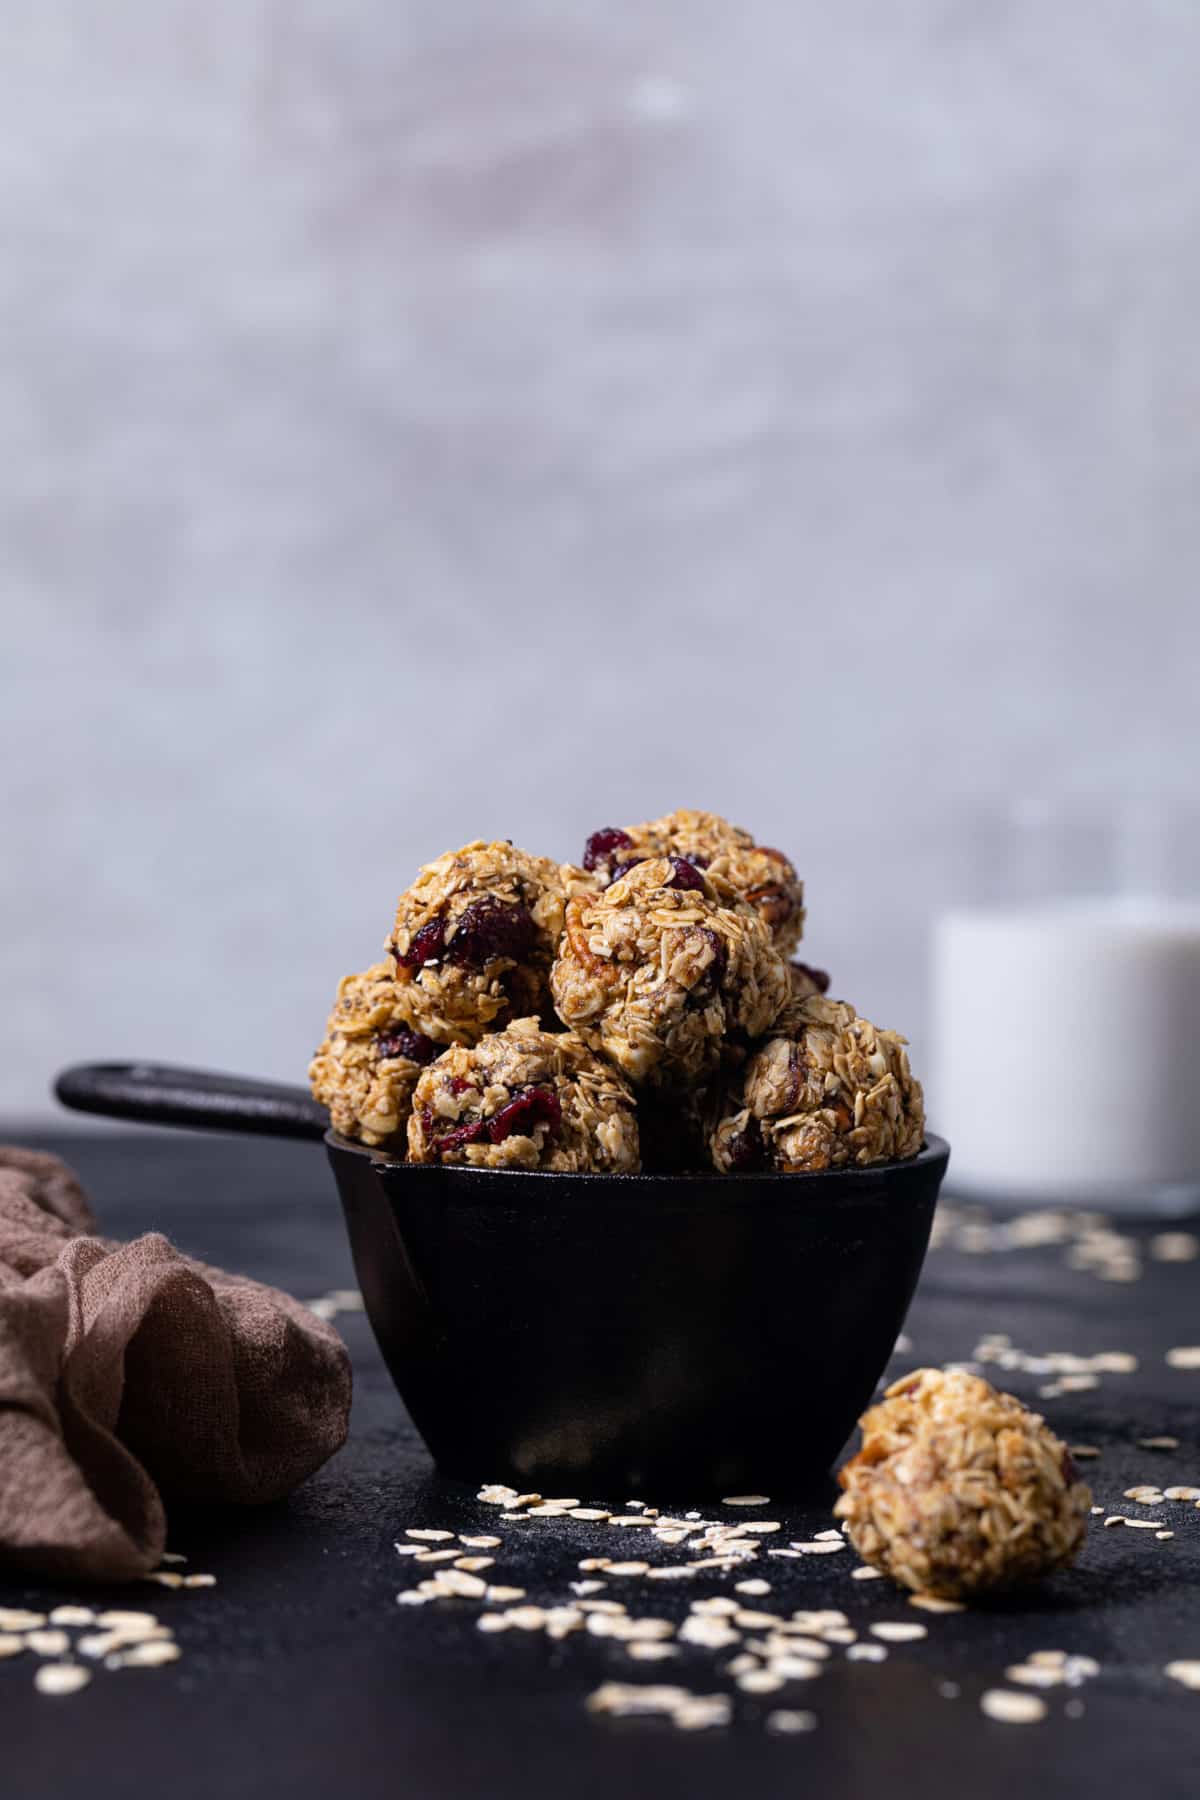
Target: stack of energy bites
x,y
637,1010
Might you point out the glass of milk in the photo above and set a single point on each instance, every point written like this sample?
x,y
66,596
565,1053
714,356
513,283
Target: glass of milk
x,y
1067,1009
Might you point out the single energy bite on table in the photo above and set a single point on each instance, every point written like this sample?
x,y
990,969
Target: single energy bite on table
x,y
525,1098
367,1066
474,939
825,1089
959,1490
763,877
658,968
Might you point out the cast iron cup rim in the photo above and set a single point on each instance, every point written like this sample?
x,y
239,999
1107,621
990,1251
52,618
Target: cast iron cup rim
x,y
934,1150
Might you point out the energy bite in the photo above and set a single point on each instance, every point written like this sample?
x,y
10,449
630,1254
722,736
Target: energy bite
x,y
525,1098
959,1490
825,1089
762,876
367,1067
656,969
474,939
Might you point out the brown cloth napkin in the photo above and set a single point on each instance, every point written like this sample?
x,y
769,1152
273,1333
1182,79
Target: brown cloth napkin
x,y
130,1375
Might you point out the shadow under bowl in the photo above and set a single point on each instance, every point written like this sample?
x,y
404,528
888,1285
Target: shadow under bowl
x,y
702,1334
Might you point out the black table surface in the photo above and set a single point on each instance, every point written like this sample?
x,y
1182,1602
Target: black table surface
x,y
302,1676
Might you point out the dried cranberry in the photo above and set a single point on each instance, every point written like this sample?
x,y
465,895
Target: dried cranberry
x,y
745,1148
685,874
820,978
412,1044
602,843
716,969
531,1106
426,946
489,928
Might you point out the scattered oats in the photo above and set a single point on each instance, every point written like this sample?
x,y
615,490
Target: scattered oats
x,y
473,1563
501,1595
117,1620
703,1711
15,1618
786,1723
1186,1356
866,1573
411,1597
163,1578
1187,1672
560,1621
590,1512
492,1622
756,1621
822,1548
841,1634
533,1499
1174,1246
753,1502
61,1678
429,1534
934,1604
1113,1519
742,1500
866,1653
826,1536
795,1668
1181,1493
205,1581
1095,1511
720,1605
149,1655
527,1618
646,1651
485,1542
72,1615
591,1563
1163,1535
760,1681
469,1587
1139,1524
1158,1443
793,1555
949,1690
741,1662
547,1510
173,1556
1083,1452
1007,1708
435,1556
497,1496
48,1643
603,1606
628,1519
682,1572
409,1550
897,1631
1033,1675
10,1644
752,1587
628,1568
712,1633
1149,1496
760,1527
620,1697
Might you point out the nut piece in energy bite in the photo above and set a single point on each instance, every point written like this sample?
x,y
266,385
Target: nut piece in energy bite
x,y
825,1089
763,877
474,939
525,1098
655,971
367,1067
959,1490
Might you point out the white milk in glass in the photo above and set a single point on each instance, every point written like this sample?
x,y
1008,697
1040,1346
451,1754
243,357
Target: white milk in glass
x,y
1068,1050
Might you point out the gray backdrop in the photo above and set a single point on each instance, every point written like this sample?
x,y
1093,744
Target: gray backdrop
x,y
426,420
